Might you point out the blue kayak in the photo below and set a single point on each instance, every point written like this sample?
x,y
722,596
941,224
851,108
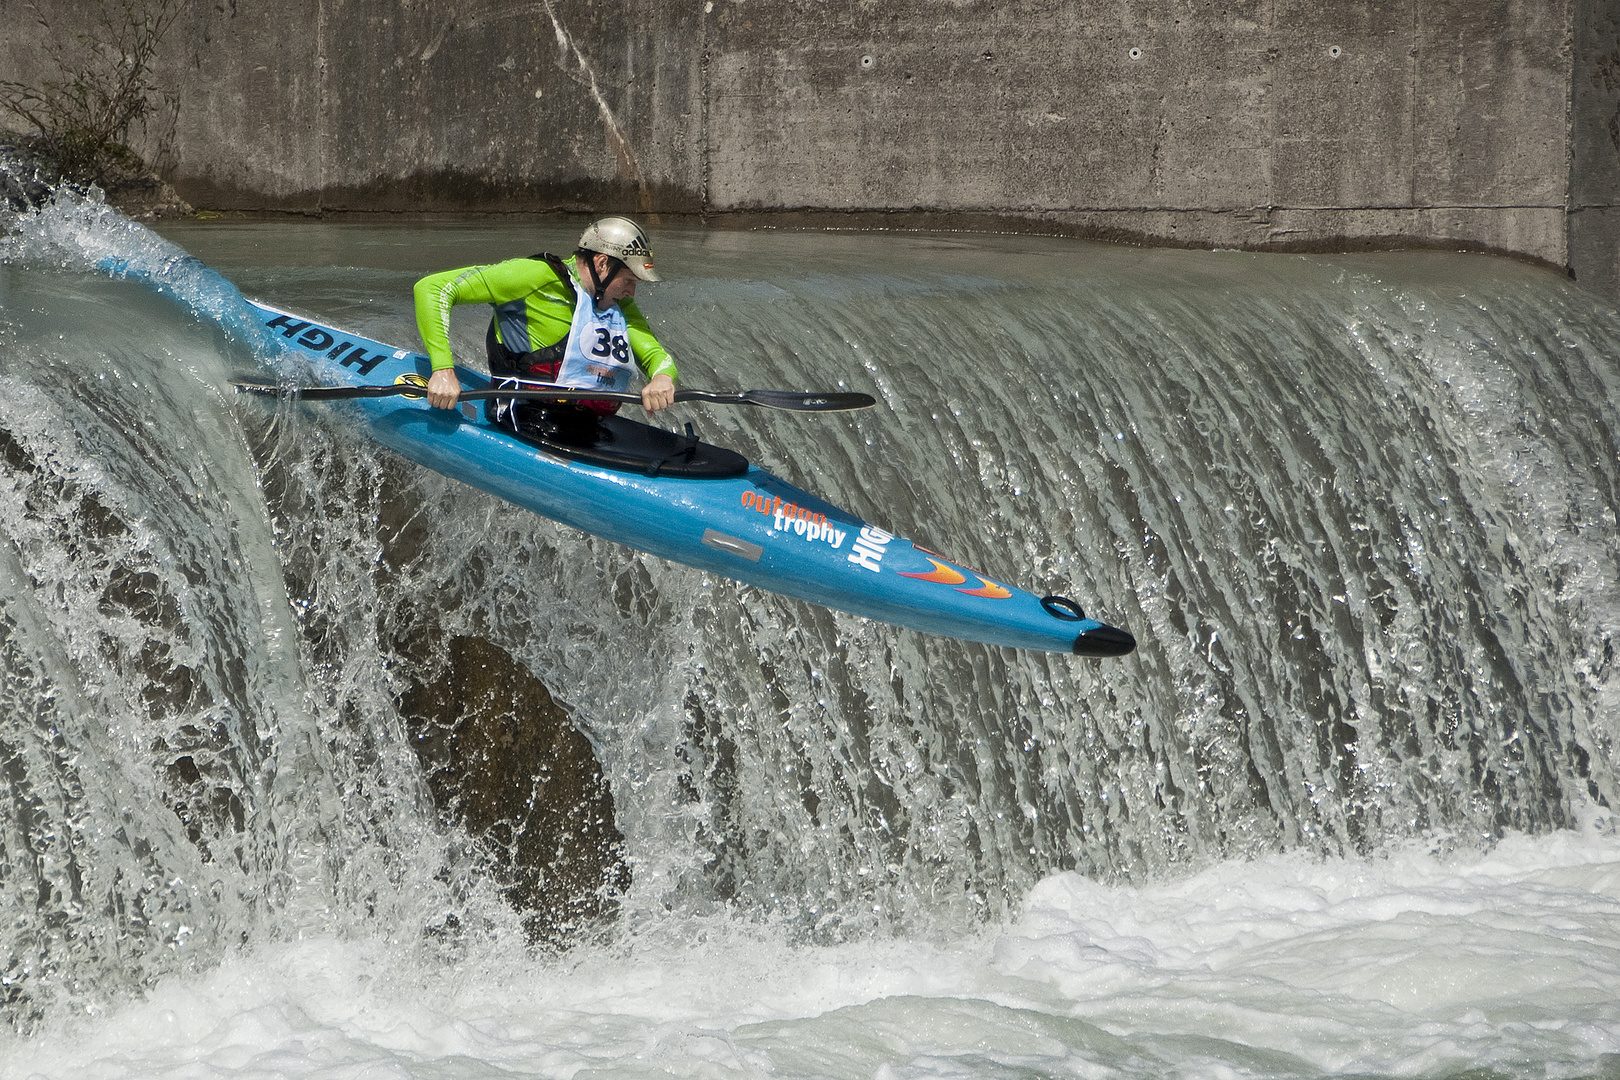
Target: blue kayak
x,y
734,519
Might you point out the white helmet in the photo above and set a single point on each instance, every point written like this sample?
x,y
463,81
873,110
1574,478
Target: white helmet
x,y
622,239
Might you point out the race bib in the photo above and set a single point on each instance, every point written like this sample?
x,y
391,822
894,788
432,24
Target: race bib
x,y
598,354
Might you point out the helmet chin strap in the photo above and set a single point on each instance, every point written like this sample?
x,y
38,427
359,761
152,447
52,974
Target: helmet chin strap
x,y
599,285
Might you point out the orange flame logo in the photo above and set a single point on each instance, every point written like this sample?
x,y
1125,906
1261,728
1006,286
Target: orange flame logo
x,y
991,590
943,574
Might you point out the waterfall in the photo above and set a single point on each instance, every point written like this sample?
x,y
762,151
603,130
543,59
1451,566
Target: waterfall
x,y
1358,511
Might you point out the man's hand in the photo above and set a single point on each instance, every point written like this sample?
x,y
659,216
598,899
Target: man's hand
x,y
659,393
444,389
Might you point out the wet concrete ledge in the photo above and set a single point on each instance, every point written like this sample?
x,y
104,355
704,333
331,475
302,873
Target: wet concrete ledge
x,y
1259,229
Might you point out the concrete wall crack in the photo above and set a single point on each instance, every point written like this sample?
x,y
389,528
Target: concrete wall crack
x,y
625,154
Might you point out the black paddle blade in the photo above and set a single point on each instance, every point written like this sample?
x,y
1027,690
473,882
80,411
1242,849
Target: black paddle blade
x,y
808,401
331,393
411,390
790,400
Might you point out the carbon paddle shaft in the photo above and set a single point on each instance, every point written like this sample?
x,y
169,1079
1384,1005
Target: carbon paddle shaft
x,y
790,400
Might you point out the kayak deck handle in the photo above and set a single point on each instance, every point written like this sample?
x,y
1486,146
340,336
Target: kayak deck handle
x,y
1061,607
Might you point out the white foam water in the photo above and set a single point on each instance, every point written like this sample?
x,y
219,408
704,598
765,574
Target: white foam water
x,y
1410,963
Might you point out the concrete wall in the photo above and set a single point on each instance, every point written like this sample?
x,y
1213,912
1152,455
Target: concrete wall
x,y
1248,123
1594,174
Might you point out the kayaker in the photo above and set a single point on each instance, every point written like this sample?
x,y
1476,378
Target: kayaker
x,y
570,321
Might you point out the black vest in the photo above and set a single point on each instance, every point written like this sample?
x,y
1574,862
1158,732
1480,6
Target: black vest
x,y
536,363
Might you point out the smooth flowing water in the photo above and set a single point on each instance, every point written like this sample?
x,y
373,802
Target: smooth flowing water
x,y
1344,812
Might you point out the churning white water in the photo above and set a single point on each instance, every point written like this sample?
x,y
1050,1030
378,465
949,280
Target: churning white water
x,y
1291,966
1345,812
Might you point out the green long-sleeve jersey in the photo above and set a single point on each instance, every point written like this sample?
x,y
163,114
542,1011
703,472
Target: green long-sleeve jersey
x,y
533,309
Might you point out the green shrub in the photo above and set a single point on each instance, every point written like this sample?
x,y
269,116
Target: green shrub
x,y
105,85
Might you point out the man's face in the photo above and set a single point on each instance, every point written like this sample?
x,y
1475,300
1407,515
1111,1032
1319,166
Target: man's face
x,y
623,284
